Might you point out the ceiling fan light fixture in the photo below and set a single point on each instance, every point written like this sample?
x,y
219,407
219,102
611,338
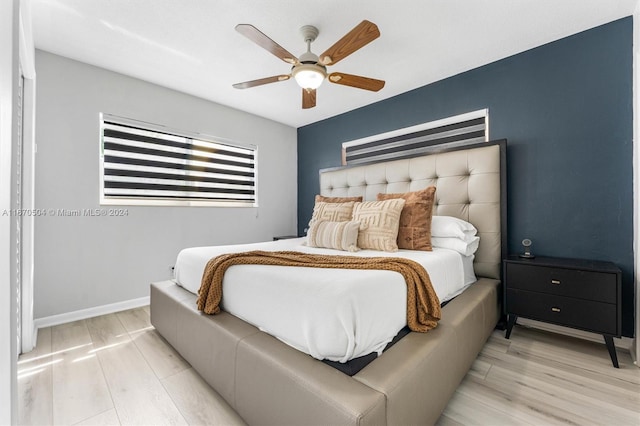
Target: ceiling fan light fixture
x,y
309,76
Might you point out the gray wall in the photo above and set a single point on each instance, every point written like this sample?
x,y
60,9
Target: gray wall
x,y
84,262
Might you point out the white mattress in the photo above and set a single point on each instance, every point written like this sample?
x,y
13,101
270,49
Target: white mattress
x,y
334,314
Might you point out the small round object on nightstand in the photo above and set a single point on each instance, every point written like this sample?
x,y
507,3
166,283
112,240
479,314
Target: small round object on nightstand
x,y
526,243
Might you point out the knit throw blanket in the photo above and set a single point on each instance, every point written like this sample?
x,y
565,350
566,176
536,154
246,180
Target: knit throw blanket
x,y
423,306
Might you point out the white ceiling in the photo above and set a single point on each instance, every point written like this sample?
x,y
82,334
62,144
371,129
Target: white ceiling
x,y
191,45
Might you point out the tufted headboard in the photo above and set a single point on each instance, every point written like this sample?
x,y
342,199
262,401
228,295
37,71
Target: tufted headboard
x,y
470,182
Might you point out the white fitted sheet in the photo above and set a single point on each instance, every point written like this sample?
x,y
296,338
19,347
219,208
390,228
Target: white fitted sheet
x,y
334,314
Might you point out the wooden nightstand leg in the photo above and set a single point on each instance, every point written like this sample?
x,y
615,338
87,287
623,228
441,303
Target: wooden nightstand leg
x,y
608,340
511,320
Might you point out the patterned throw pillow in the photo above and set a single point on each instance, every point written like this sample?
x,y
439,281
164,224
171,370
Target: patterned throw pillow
x,y
334,235
414,232
332,212
379,221
323,199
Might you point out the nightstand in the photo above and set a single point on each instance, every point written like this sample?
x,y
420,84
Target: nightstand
x,y
285,237
575,293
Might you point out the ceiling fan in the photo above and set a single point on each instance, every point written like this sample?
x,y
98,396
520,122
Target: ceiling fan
x,y
310,70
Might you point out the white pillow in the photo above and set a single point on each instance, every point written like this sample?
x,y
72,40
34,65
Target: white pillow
x,y
463,247
452,227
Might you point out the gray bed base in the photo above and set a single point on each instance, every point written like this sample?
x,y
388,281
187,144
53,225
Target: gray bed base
x,y
269,383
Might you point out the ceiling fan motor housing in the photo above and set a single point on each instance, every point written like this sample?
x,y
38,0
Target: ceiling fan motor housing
x,y
308,58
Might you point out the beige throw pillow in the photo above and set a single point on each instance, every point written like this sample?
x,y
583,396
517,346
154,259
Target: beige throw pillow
x,y
334,235
379,221
414,232
332,212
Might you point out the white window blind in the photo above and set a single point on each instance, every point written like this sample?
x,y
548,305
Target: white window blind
x,y
149,164
420,139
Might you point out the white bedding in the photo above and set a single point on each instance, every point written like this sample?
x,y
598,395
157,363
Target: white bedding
x,y
334,314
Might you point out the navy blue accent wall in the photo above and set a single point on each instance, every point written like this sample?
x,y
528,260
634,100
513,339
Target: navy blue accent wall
x,y
565,109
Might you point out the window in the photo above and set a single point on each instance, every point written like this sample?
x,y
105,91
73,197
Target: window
x,y
149,164
452,131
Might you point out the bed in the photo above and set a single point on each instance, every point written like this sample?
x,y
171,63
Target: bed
x,y
267,381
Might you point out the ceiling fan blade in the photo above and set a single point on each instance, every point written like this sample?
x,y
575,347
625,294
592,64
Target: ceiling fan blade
x,y
365,83
308,98
261,81
363,33
259,38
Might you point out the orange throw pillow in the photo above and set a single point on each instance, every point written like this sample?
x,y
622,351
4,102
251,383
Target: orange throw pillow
x,y
323,199
415,220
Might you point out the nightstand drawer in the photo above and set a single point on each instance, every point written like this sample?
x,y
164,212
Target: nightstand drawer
x,y
591,285
579,313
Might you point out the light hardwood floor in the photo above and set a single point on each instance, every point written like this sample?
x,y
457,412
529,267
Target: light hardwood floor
x,y
116,369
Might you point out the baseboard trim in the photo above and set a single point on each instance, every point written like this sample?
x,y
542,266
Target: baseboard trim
x,y
89,312
622,343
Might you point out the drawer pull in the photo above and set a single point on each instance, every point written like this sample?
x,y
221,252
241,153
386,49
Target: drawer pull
x,y
556,282
555,309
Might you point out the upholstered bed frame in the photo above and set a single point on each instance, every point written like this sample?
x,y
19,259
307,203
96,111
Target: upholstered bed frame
x,y
267,382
